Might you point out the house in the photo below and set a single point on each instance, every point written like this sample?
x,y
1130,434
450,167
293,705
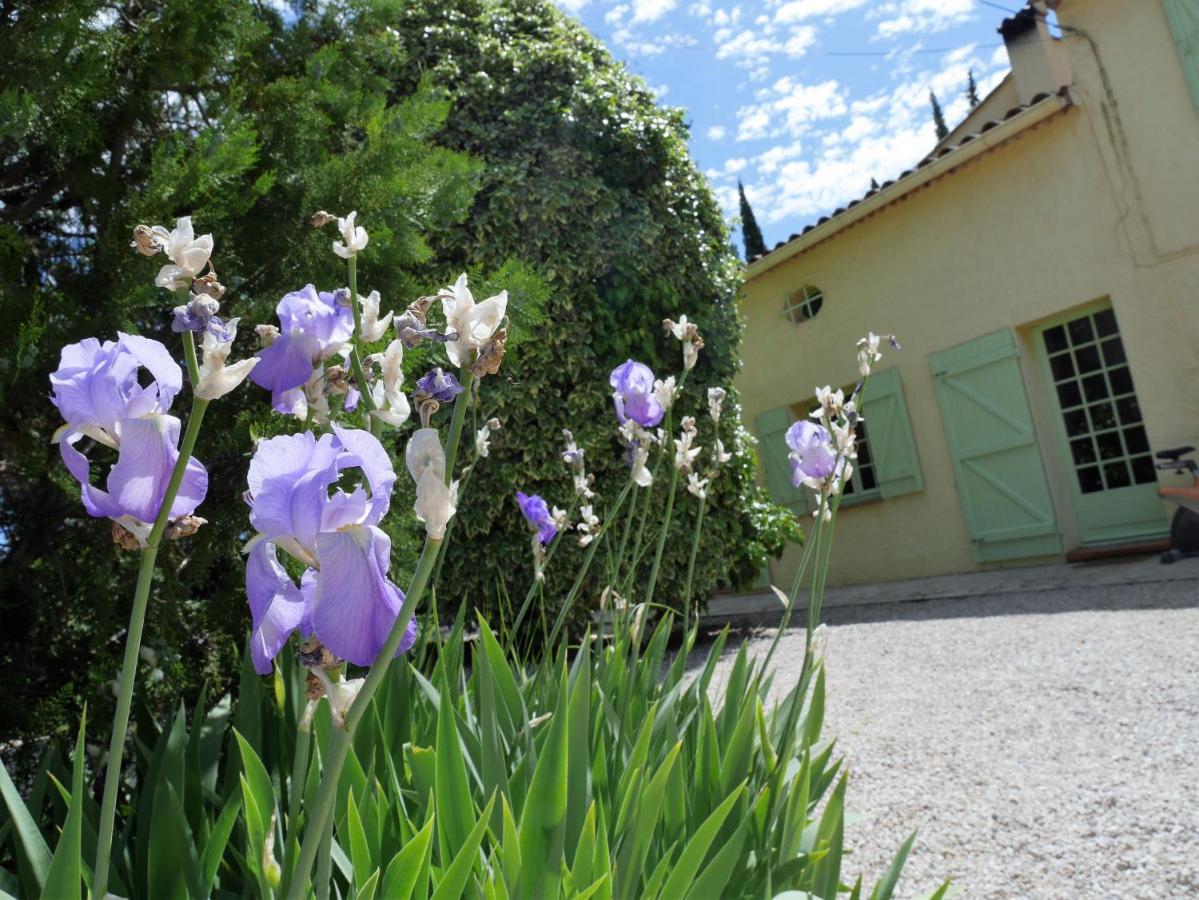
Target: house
x,y
1041,269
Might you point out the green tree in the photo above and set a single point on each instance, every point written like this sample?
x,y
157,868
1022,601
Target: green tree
x,y
972,90
751,234
938,117
116,114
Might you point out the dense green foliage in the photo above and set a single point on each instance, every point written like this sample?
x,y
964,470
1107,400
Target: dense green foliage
x,y
751,233
493,137
590,181
613,773
139,118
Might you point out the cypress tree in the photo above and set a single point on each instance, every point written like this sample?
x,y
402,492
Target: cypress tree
x,y
755,245
972,90
938,117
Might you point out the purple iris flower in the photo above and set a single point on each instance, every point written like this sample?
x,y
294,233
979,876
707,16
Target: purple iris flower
x,y
441,386
96,389
345,596
633,394
199,315
812,453
537,514
312,326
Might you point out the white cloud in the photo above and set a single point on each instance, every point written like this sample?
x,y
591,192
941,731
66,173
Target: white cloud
x,y
920,16
733,166
615,16
749,45
798,10
829,144
573,6
788,107
651,10
659,90
716,133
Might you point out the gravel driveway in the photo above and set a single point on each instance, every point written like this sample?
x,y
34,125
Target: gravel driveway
x,y
1046,745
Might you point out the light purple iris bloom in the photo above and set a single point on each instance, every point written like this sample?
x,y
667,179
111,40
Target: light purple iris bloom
x,y
812,452
312,326
440,385
96,389
633,394
344,596
537,514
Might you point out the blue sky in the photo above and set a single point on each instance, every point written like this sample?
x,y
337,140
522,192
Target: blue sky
x,y
804,100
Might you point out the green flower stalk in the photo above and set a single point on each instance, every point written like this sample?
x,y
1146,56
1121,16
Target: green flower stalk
x,y
137,621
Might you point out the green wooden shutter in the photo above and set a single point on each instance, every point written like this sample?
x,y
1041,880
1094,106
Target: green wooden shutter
x,y
997,463
892,446
1183,16
773,450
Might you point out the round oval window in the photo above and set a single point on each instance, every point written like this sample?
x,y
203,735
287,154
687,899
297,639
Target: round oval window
x,y
803,304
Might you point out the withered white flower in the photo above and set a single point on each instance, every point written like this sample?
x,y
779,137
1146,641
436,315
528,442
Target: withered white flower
x,y
189,254
373,327
719,455
868,353
483,437
216,378
354,237
684,453
391,404
830,402
664,391
697,486
688,333
640,472
436,501
472,323
588,526
716,397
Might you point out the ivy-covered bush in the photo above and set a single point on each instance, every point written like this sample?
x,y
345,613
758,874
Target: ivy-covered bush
x,y
590,181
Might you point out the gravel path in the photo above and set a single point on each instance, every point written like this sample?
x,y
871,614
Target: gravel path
x,y
1045,745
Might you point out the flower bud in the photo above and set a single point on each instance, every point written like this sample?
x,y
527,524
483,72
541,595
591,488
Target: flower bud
x,y
145,242
320,219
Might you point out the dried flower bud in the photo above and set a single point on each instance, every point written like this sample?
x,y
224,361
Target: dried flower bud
x,y
184,526
320,219
342,295
207,284
314,687
491,356
266,335
145,242
313,654
126,540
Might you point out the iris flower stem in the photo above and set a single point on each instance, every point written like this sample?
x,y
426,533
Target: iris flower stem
x,y
299,772
368,404
569,603
137,621
339,745
653,572
699,527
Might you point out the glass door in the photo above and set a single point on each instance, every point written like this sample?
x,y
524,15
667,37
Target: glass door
x,y
1106,450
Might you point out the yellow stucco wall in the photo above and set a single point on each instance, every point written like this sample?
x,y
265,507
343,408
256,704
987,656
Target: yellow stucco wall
x,y
1100,201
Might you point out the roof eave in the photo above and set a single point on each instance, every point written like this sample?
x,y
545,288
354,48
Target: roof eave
x,y
929,170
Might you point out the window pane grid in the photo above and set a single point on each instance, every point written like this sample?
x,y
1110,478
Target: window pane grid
x,y
1098,404
803,304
